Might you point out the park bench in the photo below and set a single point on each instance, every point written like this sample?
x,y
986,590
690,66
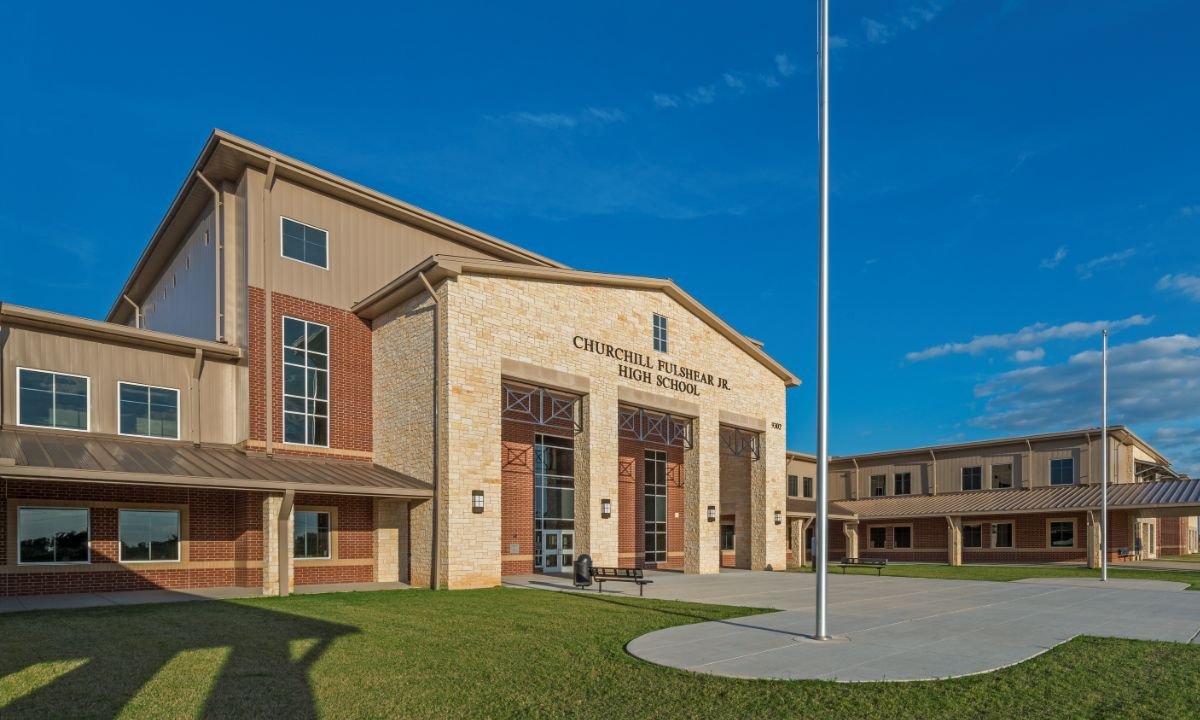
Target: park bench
x,y
1125,554
878,563
612,574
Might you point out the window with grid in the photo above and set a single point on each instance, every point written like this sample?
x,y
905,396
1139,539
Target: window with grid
x,y
972,478
903,484
656,506
1062,534
149,535
149,411
660,333
1062,472
305,382
878,485
50,399
52,535
793,486
310,533
808,487
308,244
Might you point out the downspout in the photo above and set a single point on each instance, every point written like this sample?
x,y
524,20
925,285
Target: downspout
x,y
138,320
218,254
1027,480
434,579
285,542
197,368
268,334
857,479
933,474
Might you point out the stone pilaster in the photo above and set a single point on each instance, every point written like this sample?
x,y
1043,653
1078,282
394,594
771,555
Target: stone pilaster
x,y
798,528
1094,544
954,540
596,478
272,506
850,529
768,495
702,488
420,542
388,519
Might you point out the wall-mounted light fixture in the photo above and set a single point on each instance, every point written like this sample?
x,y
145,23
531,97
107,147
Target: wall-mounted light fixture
x,y
476,501
712,513
778,517
605,508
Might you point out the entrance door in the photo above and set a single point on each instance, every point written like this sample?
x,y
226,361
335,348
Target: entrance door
x,y
558,551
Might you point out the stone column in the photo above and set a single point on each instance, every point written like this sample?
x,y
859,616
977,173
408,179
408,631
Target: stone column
x,y
596,478
388,512
850,529
954,541
796,528
420,542
1094,542
768,495
702,488
273,507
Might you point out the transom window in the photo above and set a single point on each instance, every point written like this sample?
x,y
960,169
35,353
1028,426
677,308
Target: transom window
x,y
878,485
903,484
52,535
149,535
972,478
305,243
50,399
1002,476
656,506
149,411
793,486
1002,535
1062,472
660,333
305,382
877,537
972,536
902,537
311,535
808,487
1062,533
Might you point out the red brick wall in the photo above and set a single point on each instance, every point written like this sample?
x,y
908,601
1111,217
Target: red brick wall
x,y
631,488
1172,536
349,372
516,496
1030,539
355,541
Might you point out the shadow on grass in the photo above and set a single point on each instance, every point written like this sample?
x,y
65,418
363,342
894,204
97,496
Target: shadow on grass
x,y
144,658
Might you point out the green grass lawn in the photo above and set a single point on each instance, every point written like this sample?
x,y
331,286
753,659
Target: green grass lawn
x,y
1006,573
501,653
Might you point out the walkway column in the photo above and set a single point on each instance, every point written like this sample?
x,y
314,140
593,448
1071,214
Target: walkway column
x,y
768,495
388,521
278,576
850,528
797,528
596,478
954,540
1094,546
701,490
420,543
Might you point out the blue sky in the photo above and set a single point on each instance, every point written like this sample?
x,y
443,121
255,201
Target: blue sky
x,y
1007,177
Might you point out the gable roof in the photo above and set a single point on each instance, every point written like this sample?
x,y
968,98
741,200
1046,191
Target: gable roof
x,y
440,267
225,157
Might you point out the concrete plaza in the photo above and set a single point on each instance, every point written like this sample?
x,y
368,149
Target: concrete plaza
x,y
897,628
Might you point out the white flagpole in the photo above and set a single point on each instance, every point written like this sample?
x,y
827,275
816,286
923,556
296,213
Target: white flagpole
x,y
1104,461
820,557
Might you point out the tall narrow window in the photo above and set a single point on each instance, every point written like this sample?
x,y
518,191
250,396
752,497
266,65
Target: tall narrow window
x,y
972,478
793,486
1062,472
656,506
553,497
660,333
305,243
877,537
311,535
52,535
149,411
1002,476
903,484
50,399
808,487
878,485
149,535
727,535
1002,535
305,382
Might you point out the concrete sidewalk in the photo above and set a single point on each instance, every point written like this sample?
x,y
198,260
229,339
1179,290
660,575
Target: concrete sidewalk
x,y
897,628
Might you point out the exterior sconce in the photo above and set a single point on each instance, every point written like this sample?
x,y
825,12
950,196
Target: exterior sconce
x,y
778,517
606,508
476,501
712,513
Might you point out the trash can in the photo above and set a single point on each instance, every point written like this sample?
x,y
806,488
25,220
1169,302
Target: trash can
x,y
583,571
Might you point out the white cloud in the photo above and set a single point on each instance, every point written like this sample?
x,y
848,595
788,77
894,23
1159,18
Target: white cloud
x,y
877,32
733,81
664,101
565,121
1027,337
1087,269
606,115
1026,356
784,65
836,42
1189,285
1188,211
703,95
1052,262
1151,381
1181,445
917,15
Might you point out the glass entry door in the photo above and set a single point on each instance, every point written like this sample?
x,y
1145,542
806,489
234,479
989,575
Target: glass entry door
x,y
558,551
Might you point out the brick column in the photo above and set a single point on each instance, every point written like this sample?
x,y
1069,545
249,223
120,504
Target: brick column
x,y
596,470
388,514
273,504
702,488
954,540
850,529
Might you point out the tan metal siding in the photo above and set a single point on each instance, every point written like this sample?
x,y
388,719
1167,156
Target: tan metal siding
x,y
183,298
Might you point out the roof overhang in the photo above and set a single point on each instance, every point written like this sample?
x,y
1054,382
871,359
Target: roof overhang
x,y
225,158
440,267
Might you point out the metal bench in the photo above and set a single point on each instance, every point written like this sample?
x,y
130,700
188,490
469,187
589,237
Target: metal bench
x,y
611,574
1125,554
878,563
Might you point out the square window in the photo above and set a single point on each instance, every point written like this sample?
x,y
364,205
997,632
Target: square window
x,y
148,411
903,485
1062,534
1062,472
660,333
972,536
50,399
52,535
304,243
149,535
902,537
311,535
878,538
1002,476
972,478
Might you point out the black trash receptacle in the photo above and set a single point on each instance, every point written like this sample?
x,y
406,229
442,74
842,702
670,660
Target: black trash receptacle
x,y
583,571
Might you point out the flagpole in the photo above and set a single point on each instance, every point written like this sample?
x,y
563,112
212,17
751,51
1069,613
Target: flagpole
x,y
1104,461
820,557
